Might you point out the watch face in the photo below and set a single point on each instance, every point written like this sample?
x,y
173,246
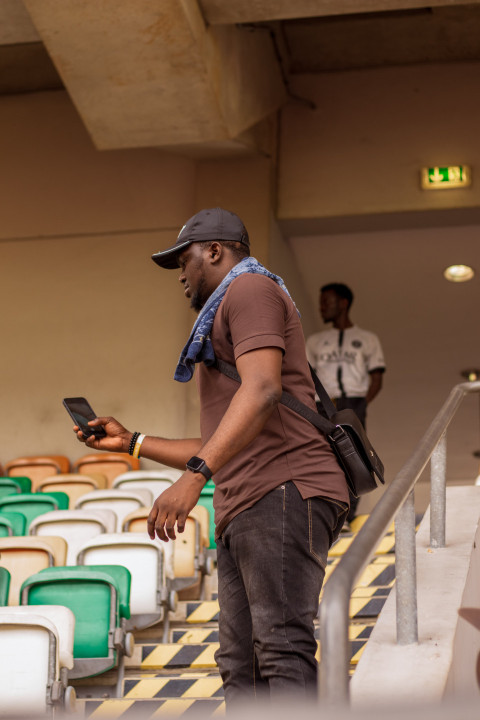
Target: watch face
x,y
195,463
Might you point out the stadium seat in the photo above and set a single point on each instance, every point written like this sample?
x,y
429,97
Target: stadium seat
x,y
24,556
36,655
109,464
33,504
136,522
4,586
154,480
187,562
8,486
37,467
99,597
73,484
74,526
12,523
151,598
24,483
206,500
121,502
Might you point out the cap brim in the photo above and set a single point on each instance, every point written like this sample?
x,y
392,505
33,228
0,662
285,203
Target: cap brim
x,y
168,258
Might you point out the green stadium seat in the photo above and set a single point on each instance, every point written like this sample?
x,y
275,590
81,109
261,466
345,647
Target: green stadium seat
x,y
206,500
12,523
8,487
99,597
24,483
33,504
4,586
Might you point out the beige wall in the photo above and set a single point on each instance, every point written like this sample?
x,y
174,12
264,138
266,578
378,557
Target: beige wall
x,y
361,150
85,310
350,202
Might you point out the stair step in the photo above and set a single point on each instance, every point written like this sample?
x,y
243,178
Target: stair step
x,y
172,656
146,708
192,686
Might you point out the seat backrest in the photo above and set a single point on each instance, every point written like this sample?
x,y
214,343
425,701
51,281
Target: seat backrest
x,y
8,486
161,474
109,464
12,523
206,500
122,502
23,483
29,662
186,549
33,504
24,556
37,467
74,526
144,559
154,486
60,616
200,513
73,484
4,585
97,596
136,522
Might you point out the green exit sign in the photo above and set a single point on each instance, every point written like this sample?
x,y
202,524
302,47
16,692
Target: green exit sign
x,y
442,178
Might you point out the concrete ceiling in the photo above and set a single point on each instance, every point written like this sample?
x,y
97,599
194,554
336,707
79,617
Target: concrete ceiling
x,y
184,74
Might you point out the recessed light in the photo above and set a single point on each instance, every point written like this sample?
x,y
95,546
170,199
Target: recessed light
x,y
458,273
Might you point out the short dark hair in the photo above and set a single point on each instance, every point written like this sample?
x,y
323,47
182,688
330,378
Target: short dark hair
x,y
341,290
238,249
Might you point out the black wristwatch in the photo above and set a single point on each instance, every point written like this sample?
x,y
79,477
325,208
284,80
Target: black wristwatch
x,y
197,465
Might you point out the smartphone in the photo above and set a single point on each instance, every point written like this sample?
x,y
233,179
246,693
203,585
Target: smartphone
x,y
81,412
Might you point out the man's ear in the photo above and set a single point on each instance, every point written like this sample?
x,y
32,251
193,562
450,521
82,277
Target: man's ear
x,y
216,251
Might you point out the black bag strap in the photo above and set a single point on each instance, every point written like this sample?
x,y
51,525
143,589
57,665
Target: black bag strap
x,y
320,422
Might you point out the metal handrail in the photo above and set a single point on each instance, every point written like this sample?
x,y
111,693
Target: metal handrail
x,y
397,501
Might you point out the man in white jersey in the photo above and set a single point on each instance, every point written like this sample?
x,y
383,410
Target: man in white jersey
x,y
348,360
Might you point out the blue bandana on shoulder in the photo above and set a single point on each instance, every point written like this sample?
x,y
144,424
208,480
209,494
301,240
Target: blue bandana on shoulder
x,y
199,347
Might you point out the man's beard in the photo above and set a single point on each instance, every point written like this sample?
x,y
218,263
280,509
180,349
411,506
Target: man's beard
x,y
199,297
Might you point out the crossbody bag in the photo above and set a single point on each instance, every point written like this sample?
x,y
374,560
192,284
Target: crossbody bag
x,y
363,468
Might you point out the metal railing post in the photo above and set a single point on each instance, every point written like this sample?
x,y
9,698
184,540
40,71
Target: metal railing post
x,y
406,573
438,493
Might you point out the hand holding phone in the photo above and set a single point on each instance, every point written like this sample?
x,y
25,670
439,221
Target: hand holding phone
x,y
81,412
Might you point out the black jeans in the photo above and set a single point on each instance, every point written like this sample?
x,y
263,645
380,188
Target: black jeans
x,y
271,565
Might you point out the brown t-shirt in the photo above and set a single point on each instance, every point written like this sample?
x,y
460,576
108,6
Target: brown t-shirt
x,y
257,313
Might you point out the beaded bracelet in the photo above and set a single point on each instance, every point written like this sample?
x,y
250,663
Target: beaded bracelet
x,y
133,442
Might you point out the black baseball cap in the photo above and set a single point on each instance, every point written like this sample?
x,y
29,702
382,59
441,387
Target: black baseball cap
x,y
212,224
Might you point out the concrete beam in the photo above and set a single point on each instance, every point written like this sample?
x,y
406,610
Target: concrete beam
x,y
218,12
152,74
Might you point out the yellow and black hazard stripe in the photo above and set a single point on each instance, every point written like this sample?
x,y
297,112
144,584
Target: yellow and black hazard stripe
x,y
173,656
185,686
367,602
151,709
194,635
386,545
202,612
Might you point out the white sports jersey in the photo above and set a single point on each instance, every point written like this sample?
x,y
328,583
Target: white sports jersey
x,y
345,360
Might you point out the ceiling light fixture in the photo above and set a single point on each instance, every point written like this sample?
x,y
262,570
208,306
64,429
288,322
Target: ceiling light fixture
x,y
458,273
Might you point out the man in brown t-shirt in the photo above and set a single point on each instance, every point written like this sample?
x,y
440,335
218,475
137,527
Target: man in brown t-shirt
x,y
280,496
